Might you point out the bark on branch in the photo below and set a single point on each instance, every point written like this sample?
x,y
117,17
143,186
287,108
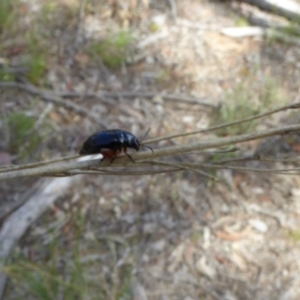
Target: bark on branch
x,y
287,8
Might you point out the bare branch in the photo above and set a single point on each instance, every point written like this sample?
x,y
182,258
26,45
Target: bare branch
x,y
288,8
139,94
52,97
54,169
17,223
255,117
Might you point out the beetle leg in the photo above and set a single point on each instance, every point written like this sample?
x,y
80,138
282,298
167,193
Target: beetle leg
x,y
114,157
125,151
116,152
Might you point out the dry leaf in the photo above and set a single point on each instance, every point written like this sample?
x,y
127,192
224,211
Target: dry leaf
x,y
239,261
229,235
176,257
203,268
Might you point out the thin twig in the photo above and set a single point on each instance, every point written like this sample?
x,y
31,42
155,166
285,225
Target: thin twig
x,y
281,160
173,7
289,9
39,164
257,158
192,167
50,96
81,13
61,168
138,94
150,172
224,125
243,169
49,170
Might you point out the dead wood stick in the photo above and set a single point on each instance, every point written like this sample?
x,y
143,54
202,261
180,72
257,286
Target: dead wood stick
x,y
50,96
16,224
287,8
140,94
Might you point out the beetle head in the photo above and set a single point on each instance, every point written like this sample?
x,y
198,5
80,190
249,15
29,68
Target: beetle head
x,y
135,144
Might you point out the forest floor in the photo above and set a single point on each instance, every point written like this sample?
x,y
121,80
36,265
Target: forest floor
x,y
170,236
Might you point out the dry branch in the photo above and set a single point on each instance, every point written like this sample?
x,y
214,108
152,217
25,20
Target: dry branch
x,y
64,168
50,96
287,8
16,224
225,125
241,32
259,17
57,98
269,25
139,94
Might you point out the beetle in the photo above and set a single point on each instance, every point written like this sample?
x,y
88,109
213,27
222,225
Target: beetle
x,y
110,143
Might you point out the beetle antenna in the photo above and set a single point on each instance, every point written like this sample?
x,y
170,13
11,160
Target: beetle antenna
x,y
145,135
149,148
144,138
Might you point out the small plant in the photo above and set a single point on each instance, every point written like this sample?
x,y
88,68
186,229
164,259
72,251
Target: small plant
x,y
216,157
36,58
48,9
292,29
42,282
64,270
241,22
286,36
45,281
37,69
164,76
23,138
241,102
6,75
58,273
237,106
124,287
7,14
295,235
114,50
270,94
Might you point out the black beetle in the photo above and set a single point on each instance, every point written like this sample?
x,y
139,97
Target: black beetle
x,y
110,143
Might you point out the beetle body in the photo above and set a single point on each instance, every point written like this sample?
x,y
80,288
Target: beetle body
x,y
110,143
